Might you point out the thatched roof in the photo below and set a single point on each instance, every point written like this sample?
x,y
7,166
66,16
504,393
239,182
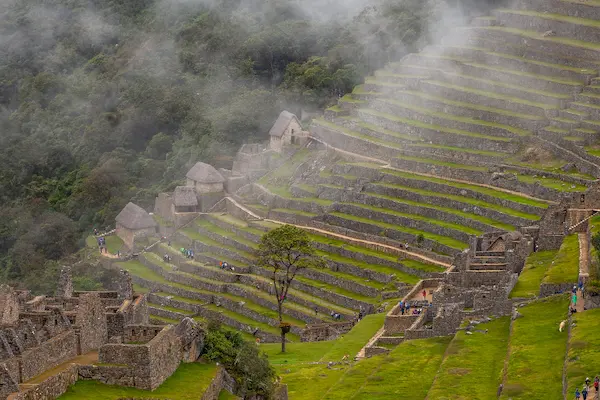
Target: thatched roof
x,y
185,196
282,123
135,217
204,173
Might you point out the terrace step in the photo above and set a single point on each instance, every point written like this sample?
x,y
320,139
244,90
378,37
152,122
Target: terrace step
x,y
462,206
489,254
562,47
587,97
563,25
593,88
488,267
485,56
438,133
516,91
573,114
408,110
510,203
523,121
503,72
568,8
490,99
437,243
593,111
565,123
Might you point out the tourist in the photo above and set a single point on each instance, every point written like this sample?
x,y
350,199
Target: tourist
x,y
577,393
316,311
574,290
95,231
407,306
596,383
221,264
225,265
574,300
424,294
584,392
169,243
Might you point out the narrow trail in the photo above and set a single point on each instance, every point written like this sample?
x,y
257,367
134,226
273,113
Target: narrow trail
x,y
507,358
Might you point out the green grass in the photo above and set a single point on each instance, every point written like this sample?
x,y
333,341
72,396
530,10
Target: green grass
x,y
405,373
533,273
565,266
480,189
448,241
225,395
472,368
187,383
350,343
537,351
113,243
551,183
288,168
584,349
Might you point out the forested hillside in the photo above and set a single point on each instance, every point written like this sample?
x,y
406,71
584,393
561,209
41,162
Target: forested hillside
x,y
104,101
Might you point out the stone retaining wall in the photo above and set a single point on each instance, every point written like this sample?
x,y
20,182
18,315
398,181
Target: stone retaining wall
x,y
398,323
50,388
352,286
48,354
549,289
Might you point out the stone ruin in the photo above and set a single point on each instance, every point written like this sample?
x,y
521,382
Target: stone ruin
x,y
108,330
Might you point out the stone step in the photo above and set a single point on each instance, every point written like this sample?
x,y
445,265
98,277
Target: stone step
x,y
517,91
436,133
491,99
411,111
592,125
489,254
578,28
565,123
469,110
519,63
561,47
489,260
501,73
487,267
571,8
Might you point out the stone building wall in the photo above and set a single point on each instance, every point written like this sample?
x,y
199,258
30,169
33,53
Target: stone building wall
x,y
205,187
141,333
51,388
164,356
48,355
91,321
129,236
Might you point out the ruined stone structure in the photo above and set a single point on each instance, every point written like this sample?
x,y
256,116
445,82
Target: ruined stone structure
x,y
40,333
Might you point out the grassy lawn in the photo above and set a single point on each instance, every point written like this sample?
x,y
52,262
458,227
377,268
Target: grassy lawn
x,y
584,349
537,351
113,243
187,383
225,395
473,365
351,343
531,277
406,373
565,266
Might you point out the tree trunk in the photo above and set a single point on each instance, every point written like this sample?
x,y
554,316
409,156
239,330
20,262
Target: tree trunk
x,y
280,312
282,341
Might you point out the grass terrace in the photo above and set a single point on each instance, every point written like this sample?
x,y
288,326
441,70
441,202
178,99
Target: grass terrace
x,y
426,111
416,217
536,267
448,241
537,351
472,367
187,383
482,219
405,373
476,188
565,266
584,349
537,36
556,17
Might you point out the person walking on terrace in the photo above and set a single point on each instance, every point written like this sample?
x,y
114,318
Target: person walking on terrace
x,y
577,394
596,384
584,392
424,294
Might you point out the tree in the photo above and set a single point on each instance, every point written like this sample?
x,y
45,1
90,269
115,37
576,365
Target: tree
x,y
285,251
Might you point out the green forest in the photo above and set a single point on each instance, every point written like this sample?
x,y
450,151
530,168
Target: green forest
x,y
104,102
